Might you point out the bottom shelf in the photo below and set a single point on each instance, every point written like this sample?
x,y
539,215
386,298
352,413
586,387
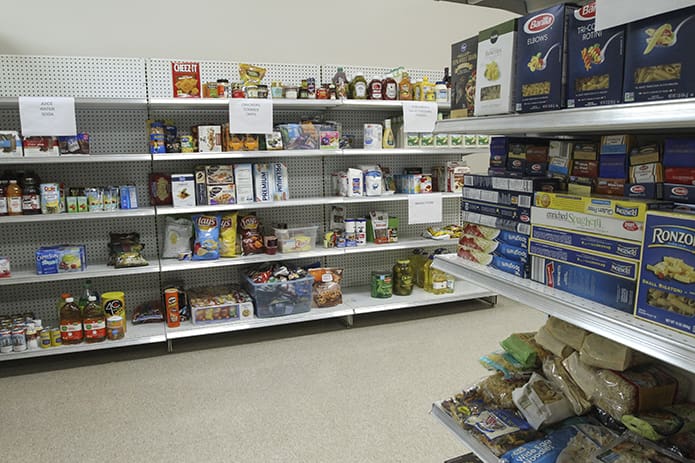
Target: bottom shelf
x,y
135,335
468,440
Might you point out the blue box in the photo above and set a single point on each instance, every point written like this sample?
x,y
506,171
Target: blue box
x,y
592,81
620,268
588,242
612,166
679,193
660,69
515,267
679,152
666,276
536,169
512,252
608,290
644,190
541,62
518,240
498,159
616,144
60,259
512,213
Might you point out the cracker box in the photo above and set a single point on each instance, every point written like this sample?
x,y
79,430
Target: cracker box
x,y
221,194
502,198
39,147
603,207
219,174
281,185
666,293
496,222
209,138
608,290
10,144
679,193
494,89
644,190
183,190
588,242
263,180
679,152
659,63
185,79
464,59
594,61
541,64
629,229
243,179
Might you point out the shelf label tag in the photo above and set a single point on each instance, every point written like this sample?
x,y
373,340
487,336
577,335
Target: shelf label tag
x,y
250,116
419,116
425,208
44,116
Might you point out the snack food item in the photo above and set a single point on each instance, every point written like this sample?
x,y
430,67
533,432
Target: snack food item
x,y
524,349
160,189
326,291
10,144
541,402
221,194
40,146
250,234
207,234
219,304
243,181
210,138
177,237
125,250
281,185
556,373
506,364
228,228
251,75
263,180
148,312
185,78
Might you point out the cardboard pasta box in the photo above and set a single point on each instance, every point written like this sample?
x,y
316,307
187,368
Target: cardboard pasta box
x,y
464,60
494,89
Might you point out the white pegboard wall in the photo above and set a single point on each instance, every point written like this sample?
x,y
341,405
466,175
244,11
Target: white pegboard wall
x,y
76,76
352,122
329,70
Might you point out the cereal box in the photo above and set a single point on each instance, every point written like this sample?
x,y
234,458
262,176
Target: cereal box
x,y
263,180
588,242
221,194
464,59
10,144
495,70
604,207
659,63
666,294
541,64
594,61
185,79
209,138
243,179
628,229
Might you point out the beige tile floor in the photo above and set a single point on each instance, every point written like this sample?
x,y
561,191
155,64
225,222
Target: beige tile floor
x,y
316,392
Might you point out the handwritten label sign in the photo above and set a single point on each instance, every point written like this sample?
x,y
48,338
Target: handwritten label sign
x,y
250,116
425,208
419,116
43,116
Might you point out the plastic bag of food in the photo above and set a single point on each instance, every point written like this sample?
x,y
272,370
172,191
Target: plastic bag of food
x,y
148,312
682,444
661,423
571,335
505,364
629,448
549,342
125,250
207,235
228,226
556,373
177,237
496,391
250,234
326,291
583,375
541,402
524,348
251,75
601,352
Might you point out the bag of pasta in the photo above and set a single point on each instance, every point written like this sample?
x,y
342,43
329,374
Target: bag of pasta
x,y
326,291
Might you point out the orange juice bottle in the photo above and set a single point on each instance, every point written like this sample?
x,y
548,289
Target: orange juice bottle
x,y
14,198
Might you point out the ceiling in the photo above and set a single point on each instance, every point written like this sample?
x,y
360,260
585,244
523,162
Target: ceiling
x,y
515,6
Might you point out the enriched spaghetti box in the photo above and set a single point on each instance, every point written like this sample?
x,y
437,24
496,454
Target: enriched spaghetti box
x,y
494,89
647,173
559,149
603,207
659,63
586,169
645,154
464,59
594,61
616,144
541,64
625,228
612,166
588,242
666,293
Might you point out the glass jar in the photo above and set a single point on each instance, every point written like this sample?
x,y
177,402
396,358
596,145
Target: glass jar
x,y
223,89
322,92
238,91
262,91
291,93
276,89
304,90
252,91
403,278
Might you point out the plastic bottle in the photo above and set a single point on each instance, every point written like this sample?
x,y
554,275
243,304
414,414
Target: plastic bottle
x,y
86,293
94,321
14,198
389,89
405,88
388,141
427,272
341,83
3,200
427,92
374,90
71,322
438,280
417,90
358,87
441,92
31,199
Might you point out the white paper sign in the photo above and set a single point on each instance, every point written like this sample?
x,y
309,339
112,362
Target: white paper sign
x,y
425,208
250,115
610,13
419,116
44,116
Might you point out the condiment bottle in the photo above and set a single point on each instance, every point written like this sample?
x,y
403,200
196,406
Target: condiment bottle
x,y
341,83
359,87
441,92
389,89
405,88
402,278
31,199
374,89
70,322
304,90
14,198
3,200
388,141
94,321
427,92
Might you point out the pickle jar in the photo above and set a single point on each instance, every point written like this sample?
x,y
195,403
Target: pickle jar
x,y
403,278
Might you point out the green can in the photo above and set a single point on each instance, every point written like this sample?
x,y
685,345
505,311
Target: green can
x,y
382,284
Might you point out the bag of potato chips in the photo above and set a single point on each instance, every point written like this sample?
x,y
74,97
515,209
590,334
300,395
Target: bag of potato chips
x,y
228,235
207,235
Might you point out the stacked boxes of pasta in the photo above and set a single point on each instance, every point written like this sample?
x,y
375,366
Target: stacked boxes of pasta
x,y
646,172
559,159
584,171
679,170
613,161
494,89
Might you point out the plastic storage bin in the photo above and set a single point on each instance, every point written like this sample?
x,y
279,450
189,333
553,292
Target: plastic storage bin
x,y
278,299
296,239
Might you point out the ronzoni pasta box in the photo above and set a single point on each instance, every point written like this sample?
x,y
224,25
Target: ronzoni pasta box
x,y
659,63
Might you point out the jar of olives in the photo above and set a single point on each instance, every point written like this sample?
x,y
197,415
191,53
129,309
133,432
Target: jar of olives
x,y
403,278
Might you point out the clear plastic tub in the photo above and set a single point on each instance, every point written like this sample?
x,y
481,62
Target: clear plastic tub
x,y
278,299
296,239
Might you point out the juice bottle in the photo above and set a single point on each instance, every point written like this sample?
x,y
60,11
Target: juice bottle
x,y
70,322
428,92
3,200
341,83
374,90
86,293
94,321
387,140
14,198
358,87
405,88
389,89
31,199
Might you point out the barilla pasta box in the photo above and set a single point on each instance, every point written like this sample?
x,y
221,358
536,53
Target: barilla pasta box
x,y
644,190
603,207
666,294
464,60
679,193
659,63
594,61
263,180
609,290
519,185
495,72
511,213
589,242
679,152
681,175
493,221
628,229
541,65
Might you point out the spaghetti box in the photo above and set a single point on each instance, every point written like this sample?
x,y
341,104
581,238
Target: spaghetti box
x,y
494,89
520,185
587,169
585,151
541,64
559,149
588,242
496,222
666,290
512,213
679,193
609,290
516,165
515,267
518,240
497,171
616,144
517,150
594,61
559,166
679,152
511,252
464,59
502,198
681,175
644,190
608,265
612,166
536,169
603,207
659,63
537,153
647,173
629,229
498,159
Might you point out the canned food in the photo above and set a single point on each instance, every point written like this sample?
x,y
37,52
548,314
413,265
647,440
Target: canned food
x,y
171,300
382,286
31,338
262,91
113,303
19,340
115,328
45,338
5,341
56,338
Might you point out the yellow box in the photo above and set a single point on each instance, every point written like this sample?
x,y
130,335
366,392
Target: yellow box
x,y
599,205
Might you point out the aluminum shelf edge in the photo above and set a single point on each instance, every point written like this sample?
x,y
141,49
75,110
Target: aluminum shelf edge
x,y
117,214
86,103
662,343
93,271
465,437
77,159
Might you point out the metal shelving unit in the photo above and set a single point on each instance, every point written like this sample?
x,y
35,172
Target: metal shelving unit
x,y
23,277
468,440
10,102
78,159
290,154
118,213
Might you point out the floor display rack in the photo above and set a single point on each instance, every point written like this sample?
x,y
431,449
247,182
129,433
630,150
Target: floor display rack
x,y
114,98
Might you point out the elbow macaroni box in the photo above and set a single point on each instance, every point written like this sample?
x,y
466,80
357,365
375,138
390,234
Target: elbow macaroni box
x,y
659,64
666,294
495,71
594,61
541,65
464,60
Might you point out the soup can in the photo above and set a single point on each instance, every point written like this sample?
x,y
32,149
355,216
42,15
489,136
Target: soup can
x,y
5,341
56,338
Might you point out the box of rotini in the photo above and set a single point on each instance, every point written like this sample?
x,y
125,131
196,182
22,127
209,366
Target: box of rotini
x,y
594,61
494,88
659,62
666,290
541,65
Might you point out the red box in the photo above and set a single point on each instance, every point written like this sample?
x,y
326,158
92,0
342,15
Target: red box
x,y
185,79
588,169
680,175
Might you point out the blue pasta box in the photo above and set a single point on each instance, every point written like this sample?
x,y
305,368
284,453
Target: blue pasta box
x,y
493,221
612,166
536,169
609,290
679,193
666,294
507,183
508,212
498,159
644,190
541,64
679,152
518,240
589,242
516,165
514,267
502,198
594,61
511,252
659,63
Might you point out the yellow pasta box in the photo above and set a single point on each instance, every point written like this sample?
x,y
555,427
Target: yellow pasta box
x,y
659,63
666,289
635,210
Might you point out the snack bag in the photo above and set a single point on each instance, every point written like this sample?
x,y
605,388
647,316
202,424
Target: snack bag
x,y
251,238
228,226
326,291
207,234
177,237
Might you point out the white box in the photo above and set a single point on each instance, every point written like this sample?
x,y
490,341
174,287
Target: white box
x,y
577,221
263,180
281,182
494,90
10,144
209,138
243,178
183,189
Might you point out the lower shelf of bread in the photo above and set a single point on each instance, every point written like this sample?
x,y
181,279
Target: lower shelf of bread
x,y
464,436
135,335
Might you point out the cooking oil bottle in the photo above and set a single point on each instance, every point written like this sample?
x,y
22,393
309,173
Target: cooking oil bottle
x,y
427,270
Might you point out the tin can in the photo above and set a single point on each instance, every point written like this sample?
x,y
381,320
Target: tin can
x,y
381,285
115,327
171,299
113,303
361,232
45,338
19,340
56,338
31,338
5,341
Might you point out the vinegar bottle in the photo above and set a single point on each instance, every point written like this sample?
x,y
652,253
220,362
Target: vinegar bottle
x,y
14,198
94,321
70,322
